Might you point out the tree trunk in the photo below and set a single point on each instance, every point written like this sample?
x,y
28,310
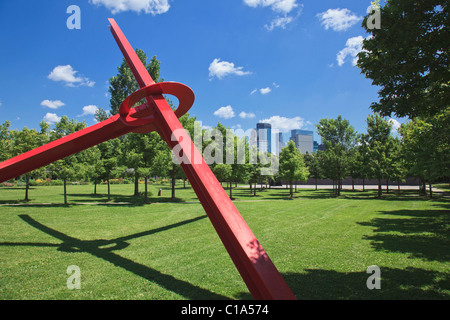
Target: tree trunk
x,y
353,184
379,187
184,183
27,186
95,188
399,187
387,186
364,186
136,185
65,191
146,191
254,190
231,190
173,186
316,184
290,192
431,192
109,189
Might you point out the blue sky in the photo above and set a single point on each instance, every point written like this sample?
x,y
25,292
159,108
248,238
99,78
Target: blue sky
x,y
288,62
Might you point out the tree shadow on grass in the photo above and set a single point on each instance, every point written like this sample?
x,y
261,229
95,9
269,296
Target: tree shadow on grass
x,y
423,234
103,249
395,284
121,199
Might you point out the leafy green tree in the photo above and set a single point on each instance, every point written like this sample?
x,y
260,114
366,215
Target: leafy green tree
x,y
362,160
339,138
426,146
6,141
124,83
313,162
162,163
380,145
408,58
72,166
65,127
121,86
146,173
223,173
109,165
101,115
24,141
292,165
67,169
398,168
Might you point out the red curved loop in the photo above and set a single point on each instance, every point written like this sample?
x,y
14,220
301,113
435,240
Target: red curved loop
x,y
184,94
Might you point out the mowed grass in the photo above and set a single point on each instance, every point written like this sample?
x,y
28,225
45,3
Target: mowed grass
x,y
168,249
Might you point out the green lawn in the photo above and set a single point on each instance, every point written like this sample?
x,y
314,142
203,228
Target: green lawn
x,y
126,249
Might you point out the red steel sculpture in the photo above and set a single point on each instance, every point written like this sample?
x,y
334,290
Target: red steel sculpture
x,y
254,265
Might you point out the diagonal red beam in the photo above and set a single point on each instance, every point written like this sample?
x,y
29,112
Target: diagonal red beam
x,y
257,270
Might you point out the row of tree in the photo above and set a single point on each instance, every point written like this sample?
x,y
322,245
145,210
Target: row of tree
x,y
420,150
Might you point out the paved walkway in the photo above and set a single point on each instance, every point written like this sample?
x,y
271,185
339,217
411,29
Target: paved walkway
x,y
357,187
300,186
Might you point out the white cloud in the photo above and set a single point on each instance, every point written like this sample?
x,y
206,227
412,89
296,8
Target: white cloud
x,y
51,118
284,124
245,115
68,75
338,19
281,7
225,112
52,104
353,46
395,125
279,22
265,90
220,69
89,110
147,6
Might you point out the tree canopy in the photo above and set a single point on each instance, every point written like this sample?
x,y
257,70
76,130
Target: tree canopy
x,y
408,58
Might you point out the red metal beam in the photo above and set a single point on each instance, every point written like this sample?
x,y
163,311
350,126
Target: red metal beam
x,y
257,270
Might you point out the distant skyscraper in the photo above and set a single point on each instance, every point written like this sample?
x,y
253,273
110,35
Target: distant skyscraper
x,y
303,140
264,137
279,143
315,146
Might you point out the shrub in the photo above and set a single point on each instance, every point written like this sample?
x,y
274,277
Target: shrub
x,y
7,184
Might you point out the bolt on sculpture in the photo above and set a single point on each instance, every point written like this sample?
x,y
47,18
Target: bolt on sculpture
x,y
254,265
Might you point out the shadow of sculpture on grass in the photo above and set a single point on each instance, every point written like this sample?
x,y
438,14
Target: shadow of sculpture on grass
x,y
104,249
